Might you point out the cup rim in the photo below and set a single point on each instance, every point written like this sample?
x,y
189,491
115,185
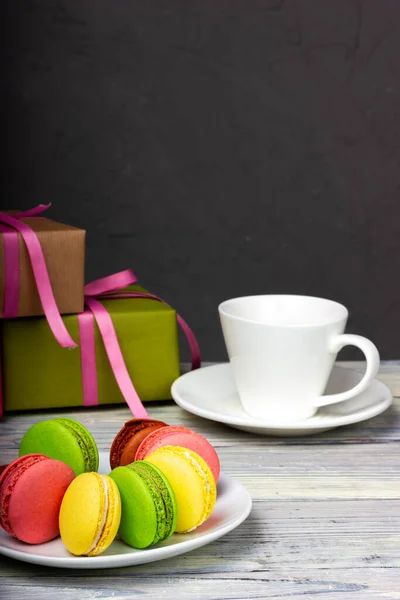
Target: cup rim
x,y
222,311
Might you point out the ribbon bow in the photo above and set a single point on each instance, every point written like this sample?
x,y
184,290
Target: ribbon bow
x,y
107,288
10,226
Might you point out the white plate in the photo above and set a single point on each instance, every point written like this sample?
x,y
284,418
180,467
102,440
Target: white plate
x,y
211,393
231,509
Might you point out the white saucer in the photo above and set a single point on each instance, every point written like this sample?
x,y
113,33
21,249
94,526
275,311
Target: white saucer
x,y
231,509
210,392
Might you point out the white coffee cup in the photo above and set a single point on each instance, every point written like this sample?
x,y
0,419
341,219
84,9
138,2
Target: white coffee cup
x,y
282,349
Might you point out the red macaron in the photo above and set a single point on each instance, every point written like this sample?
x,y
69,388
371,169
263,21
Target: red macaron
x,y
129,438
31,490
175,435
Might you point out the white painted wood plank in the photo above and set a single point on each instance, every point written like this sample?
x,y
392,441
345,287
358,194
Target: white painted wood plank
x,y
191,588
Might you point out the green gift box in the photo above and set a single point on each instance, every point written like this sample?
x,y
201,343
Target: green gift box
x,y
39,373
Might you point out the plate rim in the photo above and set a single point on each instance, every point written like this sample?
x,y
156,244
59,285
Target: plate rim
x,y
330,422
135,556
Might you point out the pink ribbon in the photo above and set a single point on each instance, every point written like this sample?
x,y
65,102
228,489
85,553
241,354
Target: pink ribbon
x,y
108,288
11,226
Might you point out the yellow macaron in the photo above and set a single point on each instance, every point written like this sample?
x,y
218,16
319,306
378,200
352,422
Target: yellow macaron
x,y
90,514
192,481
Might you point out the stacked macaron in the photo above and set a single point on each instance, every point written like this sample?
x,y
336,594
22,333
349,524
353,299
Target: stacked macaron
x,y
32,488
63,439
192,481
31,491
90,514
184,457
138,438
149,508
163,480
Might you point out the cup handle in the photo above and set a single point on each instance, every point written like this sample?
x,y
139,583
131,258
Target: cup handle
x,y
373,362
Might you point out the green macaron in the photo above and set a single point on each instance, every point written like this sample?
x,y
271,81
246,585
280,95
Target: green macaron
x,y
63,439
149,509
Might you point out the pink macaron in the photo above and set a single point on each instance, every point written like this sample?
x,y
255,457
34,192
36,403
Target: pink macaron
x,y
174,435
31,490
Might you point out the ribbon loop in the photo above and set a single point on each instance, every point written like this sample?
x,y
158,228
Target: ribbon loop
x,y
110,283
32,212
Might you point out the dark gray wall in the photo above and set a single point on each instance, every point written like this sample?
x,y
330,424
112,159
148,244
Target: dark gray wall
x,y
218,148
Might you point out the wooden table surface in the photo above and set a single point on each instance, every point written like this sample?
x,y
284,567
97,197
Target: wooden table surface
x,y
325,520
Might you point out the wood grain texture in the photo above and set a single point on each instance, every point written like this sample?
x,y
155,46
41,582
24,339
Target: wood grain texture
x,y
325,520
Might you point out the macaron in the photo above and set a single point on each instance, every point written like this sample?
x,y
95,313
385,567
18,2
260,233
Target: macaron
x,y
128,439
174,435
63,439
31,490
149,509
192,481
90,514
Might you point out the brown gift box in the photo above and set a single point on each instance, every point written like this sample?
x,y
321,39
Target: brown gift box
x,y
64,252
